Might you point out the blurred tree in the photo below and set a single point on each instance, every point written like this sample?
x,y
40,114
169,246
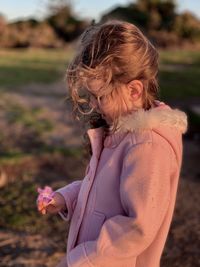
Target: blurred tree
x,y
131,13
63,20
156,18
2,23
187,26
29,33
149,14
159,20
167,11
17,33
161,13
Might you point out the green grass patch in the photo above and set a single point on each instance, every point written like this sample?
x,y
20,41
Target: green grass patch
x,y
75,152
25,66
18,198
17,203
180,84
19,210
180,56
16,113
178,78
16,156
13,156
179,74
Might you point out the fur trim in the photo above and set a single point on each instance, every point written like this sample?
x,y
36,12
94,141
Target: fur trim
x,y
153,118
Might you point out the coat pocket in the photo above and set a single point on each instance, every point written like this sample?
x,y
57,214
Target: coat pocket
x,y
96,221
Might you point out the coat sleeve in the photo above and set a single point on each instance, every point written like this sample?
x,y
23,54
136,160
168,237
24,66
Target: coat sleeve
x,y
70,193
145,196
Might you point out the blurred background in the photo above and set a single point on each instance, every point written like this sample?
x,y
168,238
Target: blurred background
x,y
40,144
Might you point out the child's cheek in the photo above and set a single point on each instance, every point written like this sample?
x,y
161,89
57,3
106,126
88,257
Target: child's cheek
x,y
107,110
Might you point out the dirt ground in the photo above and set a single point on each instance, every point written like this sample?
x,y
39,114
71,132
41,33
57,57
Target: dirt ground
x,y
19,248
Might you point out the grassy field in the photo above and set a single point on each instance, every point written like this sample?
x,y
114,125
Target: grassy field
x,y
179,70
39,145
21,67
179,75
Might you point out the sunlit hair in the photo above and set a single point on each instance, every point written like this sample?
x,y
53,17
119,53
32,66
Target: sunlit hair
x,y
115,52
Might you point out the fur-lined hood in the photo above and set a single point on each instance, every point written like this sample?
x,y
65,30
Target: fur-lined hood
x,y
167,122
161,115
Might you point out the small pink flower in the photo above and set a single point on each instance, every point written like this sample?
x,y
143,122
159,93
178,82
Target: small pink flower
x,y
45,195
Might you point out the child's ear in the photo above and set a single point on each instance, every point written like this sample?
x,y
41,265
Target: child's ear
x,y
135,89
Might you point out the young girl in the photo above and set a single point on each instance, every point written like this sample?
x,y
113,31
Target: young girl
x,y
120,212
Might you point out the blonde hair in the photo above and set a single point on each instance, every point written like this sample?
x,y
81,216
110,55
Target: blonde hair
x,y
115,52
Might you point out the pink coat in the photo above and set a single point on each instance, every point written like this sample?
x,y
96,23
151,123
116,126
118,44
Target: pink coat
x,y
121,211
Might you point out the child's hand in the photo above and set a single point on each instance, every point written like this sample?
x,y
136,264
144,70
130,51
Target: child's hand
x,y
49,201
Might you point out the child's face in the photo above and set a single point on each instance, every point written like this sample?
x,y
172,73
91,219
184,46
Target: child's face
x,y
100,109
94,86
131,99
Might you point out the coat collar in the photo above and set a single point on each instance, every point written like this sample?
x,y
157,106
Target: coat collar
x,y
139,120
160,115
